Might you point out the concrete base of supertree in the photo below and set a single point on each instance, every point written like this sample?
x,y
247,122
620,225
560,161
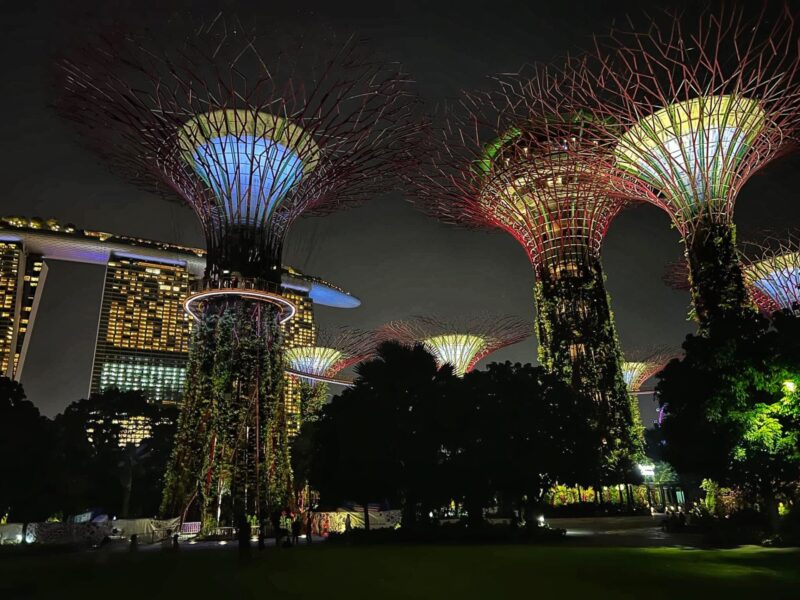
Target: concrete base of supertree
x,y
231,458
578,342
715,275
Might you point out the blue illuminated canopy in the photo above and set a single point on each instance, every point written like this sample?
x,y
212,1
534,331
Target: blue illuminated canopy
x,y
250,161
782,285
249,175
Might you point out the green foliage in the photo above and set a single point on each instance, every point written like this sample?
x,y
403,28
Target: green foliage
x,y
232,451
51,467
26,461
664,473
312,398
729,416
420,437
578,343
717,285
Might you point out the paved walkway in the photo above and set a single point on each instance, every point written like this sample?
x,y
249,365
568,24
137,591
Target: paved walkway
x,y
624,531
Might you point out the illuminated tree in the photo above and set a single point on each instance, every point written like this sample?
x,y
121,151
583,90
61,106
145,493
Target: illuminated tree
x,y
460,343
772,273
645,364
332,353
694,110
771,270
250,139
314,366
516,159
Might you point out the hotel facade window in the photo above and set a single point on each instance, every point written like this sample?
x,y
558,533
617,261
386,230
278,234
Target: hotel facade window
x,y
298,331
143,334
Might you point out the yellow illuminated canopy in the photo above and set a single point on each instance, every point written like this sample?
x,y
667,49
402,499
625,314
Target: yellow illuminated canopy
x,y
690,151
314,360
461,351
635,374
555,201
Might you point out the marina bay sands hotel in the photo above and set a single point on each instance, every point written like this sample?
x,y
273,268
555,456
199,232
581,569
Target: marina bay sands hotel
x,y
143,333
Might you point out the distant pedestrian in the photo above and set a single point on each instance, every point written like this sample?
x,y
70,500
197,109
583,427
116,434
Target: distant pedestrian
x,y
309,526
166,543
348,524
296,526
286,527
275,521
134,543
175,545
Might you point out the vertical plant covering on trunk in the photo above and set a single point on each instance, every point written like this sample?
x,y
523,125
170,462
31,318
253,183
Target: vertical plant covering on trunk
x,y
692,109
515,158
578,342
231,454
250,137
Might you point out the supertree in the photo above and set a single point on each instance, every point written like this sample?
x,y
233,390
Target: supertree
x,y
312,367
250,139
771,269
644,364
694,109
772,273
458,342
515,159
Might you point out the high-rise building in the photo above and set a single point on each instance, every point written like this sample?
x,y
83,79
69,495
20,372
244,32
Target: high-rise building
x,y
29,293
143,335
298,331
11,256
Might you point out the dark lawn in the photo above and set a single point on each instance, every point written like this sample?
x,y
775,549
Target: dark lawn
x,y
381,572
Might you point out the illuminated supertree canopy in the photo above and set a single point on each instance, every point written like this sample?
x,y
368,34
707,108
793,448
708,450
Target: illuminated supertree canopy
x,y
333,353
460,342
250,139
771,269
695,109
644,364
772,273
516,159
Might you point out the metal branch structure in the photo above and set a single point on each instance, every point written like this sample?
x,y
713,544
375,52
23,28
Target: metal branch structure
x,y
516,159
333,353
461,343
772,273
250,139
676,275
644,364
694,109
771,269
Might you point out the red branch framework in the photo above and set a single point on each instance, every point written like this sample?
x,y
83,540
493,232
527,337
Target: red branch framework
x,y
461,342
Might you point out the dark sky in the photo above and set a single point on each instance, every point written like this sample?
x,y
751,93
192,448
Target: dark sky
x,y
398,261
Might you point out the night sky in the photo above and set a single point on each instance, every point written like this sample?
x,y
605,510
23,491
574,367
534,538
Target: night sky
x,y
398,261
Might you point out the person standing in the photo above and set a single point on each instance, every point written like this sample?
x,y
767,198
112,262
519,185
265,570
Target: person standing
x,y
286,526
275,520
297,524
309,526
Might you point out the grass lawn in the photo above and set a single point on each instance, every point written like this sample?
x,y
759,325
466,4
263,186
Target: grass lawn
x,y
382,572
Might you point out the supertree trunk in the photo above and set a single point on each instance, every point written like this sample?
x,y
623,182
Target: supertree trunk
x,y
578,343
717,284
231,457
